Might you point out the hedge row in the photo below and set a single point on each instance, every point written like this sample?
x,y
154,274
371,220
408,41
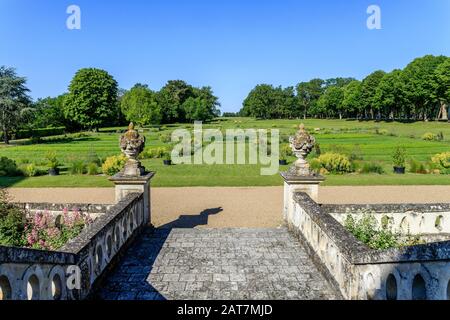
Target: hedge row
x,y
42,132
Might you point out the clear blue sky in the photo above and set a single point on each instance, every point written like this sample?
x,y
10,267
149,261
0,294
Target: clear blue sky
x,y
230,45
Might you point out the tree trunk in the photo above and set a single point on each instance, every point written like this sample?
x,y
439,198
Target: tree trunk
x,y
443,114
5,136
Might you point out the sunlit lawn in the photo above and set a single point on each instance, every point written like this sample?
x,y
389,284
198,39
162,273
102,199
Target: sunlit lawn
x,y
334,135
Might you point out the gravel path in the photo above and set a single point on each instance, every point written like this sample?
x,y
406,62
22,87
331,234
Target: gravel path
x,y
255,207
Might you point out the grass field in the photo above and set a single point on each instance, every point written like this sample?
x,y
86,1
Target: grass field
x,y
373,141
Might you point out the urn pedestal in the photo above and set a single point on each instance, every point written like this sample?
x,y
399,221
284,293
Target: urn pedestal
x,y
126,184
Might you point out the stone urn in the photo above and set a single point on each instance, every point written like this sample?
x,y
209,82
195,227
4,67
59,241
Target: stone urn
x,y
132,144
302,144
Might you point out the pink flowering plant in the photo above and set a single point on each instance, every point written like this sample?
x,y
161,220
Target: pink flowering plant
x,y
43,232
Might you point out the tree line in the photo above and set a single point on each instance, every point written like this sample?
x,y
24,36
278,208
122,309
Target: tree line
x,y
94,100
421,91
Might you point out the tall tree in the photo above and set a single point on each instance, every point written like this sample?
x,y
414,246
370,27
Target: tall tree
x,y
140,105
441,85
368,91
92,98
171,99
330,102
351,101
202,106
14,101
308,93
418,77
259,101
390,98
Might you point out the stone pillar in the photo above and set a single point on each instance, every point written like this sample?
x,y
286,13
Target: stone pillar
x,y
134,184
295,183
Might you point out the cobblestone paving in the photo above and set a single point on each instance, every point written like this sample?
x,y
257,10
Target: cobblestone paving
x,y
216,264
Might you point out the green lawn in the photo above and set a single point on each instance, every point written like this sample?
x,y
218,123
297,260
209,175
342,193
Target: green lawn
x,y
342,136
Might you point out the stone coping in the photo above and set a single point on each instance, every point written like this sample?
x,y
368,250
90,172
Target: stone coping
x,y
120,177
52,207
294,178
358,253
385,208
69,253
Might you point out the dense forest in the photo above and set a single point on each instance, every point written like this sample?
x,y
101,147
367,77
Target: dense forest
x,y
421,91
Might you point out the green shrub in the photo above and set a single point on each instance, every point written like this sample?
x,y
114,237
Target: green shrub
x,y
153,153
92,157
52,161
335,163
12,222
399,157
165,137
8,168
372,167
77,167
114,164
356,153
30,170
442,162
417,167
429,136
92,169
285,152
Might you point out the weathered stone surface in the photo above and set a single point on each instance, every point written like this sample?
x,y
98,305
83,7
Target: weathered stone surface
x,y
220,264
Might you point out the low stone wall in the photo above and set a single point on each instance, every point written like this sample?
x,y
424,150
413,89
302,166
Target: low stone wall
x,y
56,209
429,220
27,274
416,272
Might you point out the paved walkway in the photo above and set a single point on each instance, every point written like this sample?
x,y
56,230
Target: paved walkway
x,y
222,264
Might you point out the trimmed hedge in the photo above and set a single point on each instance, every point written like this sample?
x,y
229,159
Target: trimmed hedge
x,y
41,132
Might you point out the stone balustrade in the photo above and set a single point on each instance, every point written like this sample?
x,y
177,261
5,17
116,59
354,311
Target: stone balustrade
x,y
27,274
416,272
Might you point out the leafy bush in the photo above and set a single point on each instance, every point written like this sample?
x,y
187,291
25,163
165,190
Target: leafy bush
x,y
8,168
335,163
52,161
165,137
429,136
442,162
285,152
372,167
417,167
382,237
399,157
77,167
92,169
153,153
12,222
30,170
114,164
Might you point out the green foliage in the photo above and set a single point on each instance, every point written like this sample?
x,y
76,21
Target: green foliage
x,y
14,101
165,137
92,98
92,169
335,163
417,167
153,153
8,168
399,157
12,222
442,162
52,160
114,164
30,170
429,136
285,152
140,106
367,230
372,167
77,167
